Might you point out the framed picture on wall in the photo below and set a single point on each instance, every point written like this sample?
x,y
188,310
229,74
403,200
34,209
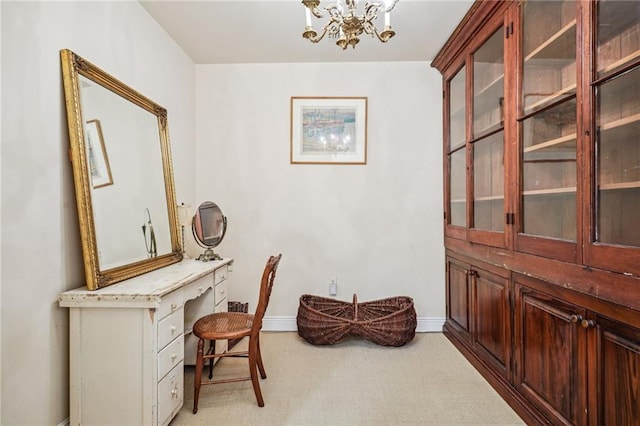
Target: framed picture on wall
x,y
328,130
97,154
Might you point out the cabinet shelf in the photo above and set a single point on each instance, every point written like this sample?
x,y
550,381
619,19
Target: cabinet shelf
x,y
457,144
620,62
561,45
492,86
567,141
622,122
489,198
551,191
457,112
565,91
458,201
477,134
619,185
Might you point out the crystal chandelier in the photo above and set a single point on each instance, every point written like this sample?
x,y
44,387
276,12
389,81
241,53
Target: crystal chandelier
x,y
345,24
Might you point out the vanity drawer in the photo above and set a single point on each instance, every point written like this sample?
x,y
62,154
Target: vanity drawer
x,y
170,356
170,394
221,294
221,274
170,303
221,306
198,287
170,327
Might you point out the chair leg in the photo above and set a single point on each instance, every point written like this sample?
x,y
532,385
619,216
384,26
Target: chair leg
x,y
253,370
212,350
263,374
198,375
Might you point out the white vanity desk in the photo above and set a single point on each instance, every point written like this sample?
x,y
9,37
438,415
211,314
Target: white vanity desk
x,y
127,342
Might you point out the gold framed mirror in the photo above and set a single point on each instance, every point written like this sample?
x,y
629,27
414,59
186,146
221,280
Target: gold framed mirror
x,y
123,176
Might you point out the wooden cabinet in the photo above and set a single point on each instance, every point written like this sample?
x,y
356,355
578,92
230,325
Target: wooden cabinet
x,y
479,310
549,354
541,162
615,372
127,342
574,365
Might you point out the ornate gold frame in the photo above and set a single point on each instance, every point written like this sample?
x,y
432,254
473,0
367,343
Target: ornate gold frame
x,y
72,67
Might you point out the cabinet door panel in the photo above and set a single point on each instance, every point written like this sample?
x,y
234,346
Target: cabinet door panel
x,y
548,354
615,171
492,319
458,296
618,373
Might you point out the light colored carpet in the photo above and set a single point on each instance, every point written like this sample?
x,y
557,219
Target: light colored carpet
x,y
426,382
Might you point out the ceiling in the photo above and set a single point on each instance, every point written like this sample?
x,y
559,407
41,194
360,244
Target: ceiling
x,y
268,31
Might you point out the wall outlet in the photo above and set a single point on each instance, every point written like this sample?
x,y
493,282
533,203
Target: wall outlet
x,y
333,286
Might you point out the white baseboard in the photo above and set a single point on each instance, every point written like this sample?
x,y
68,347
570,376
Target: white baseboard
x,y
425,324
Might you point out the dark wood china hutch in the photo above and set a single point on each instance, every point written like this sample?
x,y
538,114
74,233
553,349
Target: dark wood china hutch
x,y
542,204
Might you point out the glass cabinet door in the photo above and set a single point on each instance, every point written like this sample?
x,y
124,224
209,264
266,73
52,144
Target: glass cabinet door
x,y
546,219
457,185
488,141
616,85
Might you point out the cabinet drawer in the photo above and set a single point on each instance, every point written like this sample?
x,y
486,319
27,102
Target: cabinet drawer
x,y
170,356
170,327
170,303
170,394
221,274
221,306
221,294
198,287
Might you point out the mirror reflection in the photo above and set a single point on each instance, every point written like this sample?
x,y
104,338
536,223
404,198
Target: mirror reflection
x,y
209,227
130,213
122,174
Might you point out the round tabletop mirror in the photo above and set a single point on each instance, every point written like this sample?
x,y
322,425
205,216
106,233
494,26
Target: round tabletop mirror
x,y
209,226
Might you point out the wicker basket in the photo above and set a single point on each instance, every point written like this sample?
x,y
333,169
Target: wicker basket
x,y
388,322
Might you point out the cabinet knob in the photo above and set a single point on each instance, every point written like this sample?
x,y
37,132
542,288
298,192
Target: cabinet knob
x,y
575,318
174,306
588,323
174,356
173,329
174,391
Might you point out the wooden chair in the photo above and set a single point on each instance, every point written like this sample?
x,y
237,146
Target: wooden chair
x,y
235,325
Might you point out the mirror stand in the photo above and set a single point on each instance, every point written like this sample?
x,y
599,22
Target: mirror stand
x,y
208,255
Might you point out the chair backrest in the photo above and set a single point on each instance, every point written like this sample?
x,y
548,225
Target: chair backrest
x,y
266,285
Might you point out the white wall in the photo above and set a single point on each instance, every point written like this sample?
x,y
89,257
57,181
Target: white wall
x,y
41,251
377,228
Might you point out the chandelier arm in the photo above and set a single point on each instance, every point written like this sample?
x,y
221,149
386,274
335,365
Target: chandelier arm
x,y
314,7
386,34
316,38
318,11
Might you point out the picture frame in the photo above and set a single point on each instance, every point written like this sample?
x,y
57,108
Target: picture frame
x,y
99,168
328,130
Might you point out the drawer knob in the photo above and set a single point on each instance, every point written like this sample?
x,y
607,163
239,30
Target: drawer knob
x,y
173,329
174,306
174,391
174,356
575,318
588,323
